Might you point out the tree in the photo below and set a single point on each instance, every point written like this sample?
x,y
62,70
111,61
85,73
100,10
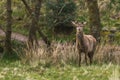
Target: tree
x,y
35,17
94,18
8,47
34,23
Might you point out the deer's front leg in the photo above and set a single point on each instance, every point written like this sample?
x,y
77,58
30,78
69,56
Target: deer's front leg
x,y
79,53
79,57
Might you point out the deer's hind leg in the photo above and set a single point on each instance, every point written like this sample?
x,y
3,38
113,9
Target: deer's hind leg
x,y
90,55
86,59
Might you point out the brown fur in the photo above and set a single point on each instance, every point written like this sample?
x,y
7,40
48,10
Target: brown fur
x,y
84,43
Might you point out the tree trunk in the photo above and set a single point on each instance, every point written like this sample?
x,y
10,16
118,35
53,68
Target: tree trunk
x,y
8,47
35,20
94,18
44,38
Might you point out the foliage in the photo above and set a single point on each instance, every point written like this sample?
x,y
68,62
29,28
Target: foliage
x,y
60,12
17,46
55,13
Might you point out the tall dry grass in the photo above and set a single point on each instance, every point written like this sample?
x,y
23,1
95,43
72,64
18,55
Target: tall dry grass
x,y
107,53
65,53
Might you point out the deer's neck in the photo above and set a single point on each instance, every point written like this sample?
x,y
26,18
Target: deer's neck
x,y
80,38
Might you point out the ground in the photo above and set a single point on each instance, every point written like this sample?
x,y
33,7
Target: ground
x,y
17,71
15,36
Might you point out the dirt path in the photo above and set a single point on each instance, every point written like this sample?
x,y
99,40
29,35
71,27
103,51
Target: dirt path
x,y
15,36
20,37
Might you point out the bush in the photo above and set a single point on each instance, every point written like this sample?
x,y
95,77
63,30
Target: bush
x,y
60,12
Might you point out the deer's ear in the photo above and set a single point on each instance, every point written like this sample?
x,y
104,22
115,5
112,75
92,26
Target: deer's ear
x,y
84,23
74,24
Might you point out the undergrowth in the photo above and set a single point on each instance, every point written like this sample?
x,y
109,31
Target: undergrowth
x,y
65,53
60,62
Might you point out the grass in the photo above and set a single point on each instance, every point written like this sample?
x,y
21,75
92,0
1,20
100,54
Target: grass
x,y
17,71
62,64
65,53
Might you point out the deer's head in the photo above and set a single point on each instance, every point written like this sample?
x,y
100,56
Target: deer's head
x,y
79,26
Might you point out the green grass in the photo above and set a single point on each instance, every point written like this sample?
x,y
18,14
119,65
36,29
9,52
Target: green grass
x,y
16,71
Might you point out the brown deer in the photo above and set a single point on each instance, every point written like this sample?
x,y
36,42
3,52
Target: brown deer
x,y
84,43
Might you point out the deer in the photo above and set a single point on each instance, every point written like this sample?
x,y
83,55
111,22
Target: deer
x,y
84,43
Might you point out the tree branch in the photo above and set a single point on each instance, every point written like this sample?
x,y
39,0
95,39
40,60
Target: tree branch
x,y
27,6
44,38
